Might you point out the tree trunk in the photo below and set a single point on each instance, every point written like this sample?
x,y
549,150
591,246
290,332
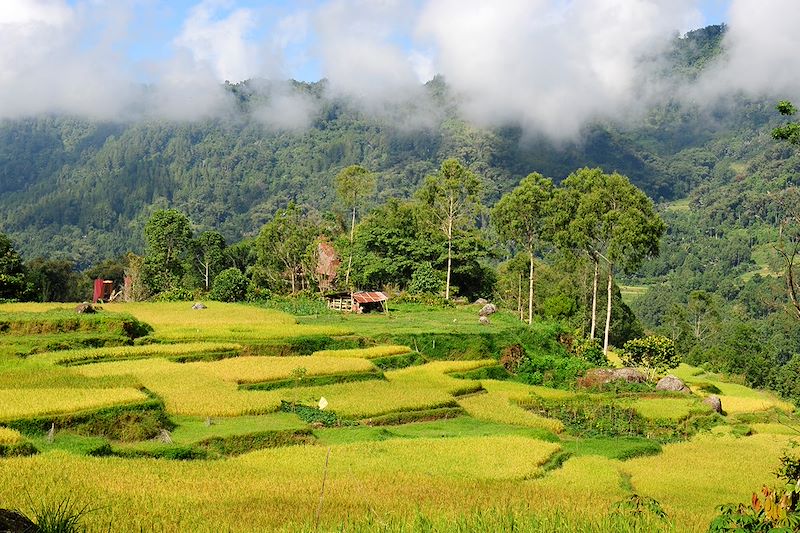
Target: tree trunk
x,y
530,289
294,286
608,309
594,295
206,276
519,298
449,256
350,259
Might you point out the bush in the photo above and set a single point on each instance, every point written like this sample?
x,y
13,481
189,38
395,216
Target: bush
x,y
230,285
425,280
177,294
654,352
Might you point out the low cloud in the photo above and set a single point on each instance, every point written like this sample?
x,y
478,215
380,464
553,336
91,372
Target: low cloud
x,y
550,66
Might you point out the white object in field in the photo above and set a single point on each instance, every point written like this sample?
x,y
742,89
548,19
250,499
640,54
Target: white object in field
x,y
323,403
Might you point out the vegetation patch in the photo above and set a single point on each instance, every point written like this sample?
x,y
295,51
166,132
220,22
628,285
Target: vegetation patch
x,y
210,448
368,353
312,415
19,449
419,415
399,361
125,422
619,448
183,351
67,321
314,381
599,416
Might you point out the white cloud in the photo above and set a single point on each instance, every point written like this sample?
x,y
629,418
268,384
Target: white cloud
x,y
761,51
550,66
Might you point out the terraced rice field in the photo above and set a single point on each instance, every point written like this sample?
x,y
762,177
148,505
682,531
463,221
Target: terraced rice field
x,y
490,462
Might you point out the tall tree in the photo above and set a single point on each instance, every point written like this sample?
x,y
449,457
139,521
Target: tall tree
x,y
788,245
167,234
353,185
208,255
282,246
451,196
12,273
611,219
521,216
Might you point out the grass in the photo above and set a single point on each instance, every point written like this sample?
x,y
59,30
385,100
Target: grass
x,y
367,353
415,319
695,476
665,408
21,403
498,405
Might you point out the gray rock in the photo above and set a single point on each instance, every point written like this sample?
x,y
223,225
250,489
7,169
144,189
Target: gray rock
x,y
484,320
487,310
714,403
14,521
481,301
85,307
199,305
672,383
599,376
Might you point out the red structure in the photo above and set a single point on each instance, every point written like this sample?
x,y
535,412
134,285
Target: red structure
x,y
102,290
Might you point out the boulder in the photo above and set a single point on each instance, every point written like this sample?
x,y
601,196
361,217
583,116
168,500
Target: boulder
x,y
484,320
481,301
714,403
487,310
601,376
16,522
672,383
199,305
85,307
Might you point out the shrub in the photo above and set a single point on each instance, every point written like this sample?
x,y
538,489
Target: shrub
x,y
177,294
425,280
654,352
230,285
590,351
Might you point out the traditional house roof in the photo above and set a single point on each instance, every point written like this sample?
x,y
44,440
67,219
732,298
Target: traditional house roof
x,y
369,297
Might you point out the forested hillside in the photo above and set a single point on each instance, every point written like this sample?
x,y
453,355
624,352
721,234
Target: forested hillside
x,y
82,190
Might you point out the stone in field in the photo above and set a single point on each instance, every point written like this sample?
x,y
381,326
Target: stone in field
x,y
484,320
601,376
85,307
481,301
13,521
487,310
714,402
672,383
199,305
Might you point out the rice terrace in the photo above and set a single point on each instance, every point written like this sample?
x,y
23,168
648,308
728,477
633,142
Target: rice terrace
x,y
161,417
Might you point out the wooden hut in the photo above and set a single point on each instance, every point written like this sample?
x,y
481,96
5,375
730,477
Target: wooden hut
x,y
357,302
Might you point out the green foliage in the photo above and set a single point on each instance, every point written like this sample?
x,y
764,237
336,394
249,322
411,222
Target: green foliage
x,y
314,381
312,415
12,278
19,449
283,249
422,415
636,506
230,285
425,280
589,350
167,234
788,132
64,517
654,352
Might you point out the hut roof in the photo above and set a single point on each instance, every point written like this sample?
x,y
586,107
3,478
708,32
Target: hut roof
x,y
369,297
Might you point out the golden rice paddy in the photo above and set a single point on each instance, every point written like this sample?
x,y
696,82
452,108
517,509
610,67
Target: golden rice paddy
x,y
19,403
